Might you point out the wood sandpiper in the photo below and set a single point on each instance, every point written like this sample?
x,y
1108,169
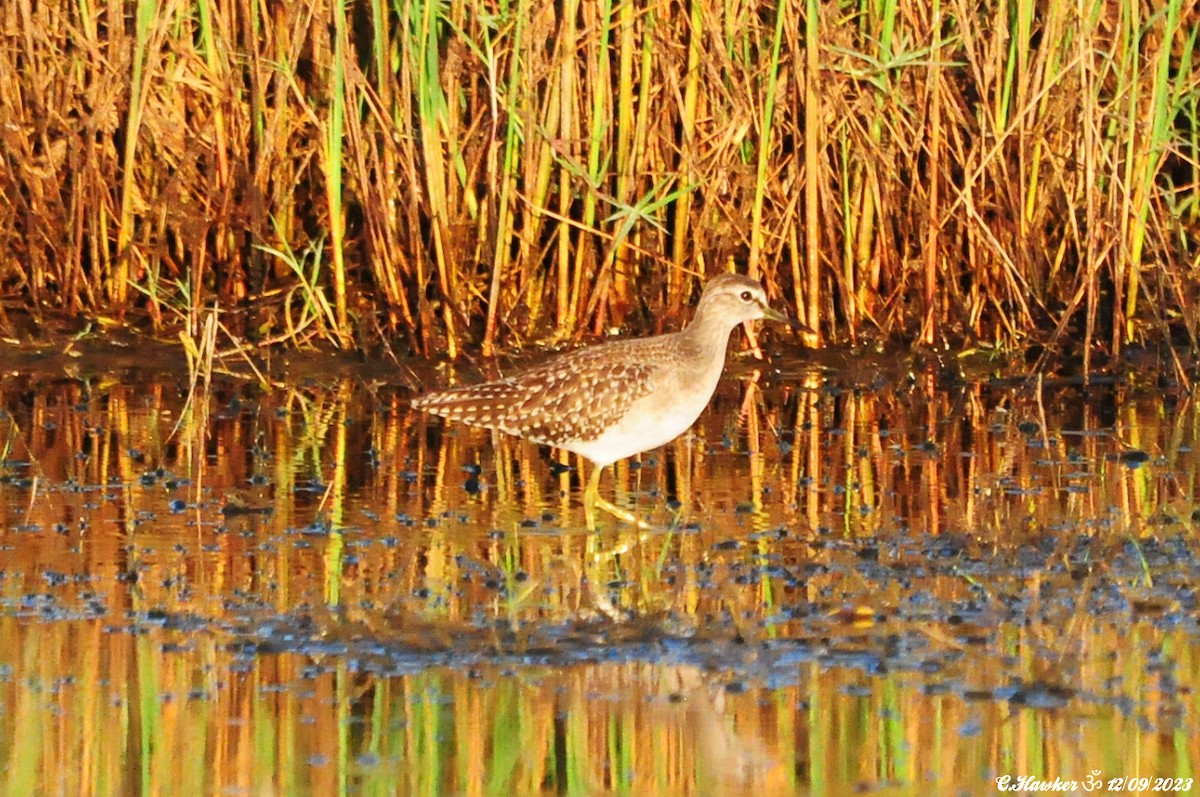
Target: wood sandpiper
x,y
614,400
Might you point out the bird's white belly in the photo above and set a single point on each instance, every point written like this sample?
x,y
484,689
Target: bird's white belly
x,y
649,423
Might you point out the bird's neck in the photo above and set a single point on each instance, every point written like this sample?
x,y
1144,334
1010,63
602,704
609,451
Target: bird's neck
x,y
707,339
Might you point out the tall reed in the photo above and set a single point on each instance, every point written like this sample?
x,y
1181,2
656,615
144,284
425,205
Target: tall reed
x,y
486,173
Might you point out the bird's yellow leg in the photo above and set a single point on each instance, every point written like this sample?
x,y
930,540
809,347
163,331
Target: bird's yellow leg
x,y
592,499
621,514
589,499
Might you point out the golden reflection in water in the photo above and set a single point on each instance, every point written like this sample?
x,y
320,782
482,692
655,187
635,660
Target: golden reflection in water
x,y
398,624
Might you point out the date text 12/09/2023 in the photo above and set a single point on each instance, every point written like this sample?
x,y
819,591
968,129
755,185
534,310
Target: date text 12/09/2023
x,y
1093,782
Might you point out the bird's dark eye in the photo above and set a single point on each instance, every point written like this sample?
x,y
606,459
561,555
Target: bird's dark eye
x,y
745,296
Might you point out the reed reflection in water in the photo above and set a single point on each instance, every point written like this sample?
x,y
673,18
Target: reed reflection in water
x,y
312,590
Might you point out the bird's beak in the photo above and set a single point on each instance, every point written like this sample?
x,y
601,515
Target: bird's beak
x,y
771,314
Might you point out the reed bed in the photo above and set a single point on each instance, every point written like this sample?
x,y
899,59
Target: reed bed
x,y
472,173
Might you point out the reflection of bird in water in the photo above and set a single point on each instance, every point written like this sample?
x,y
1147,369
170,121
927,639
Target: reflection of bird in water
x,y
735,758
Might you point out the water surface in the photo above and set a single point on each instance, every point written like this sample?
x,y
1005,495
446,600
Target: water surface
x,y
856,579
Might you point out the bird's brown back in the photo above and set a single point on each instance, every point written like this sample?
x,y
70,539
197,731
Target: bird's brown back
x,y
572,396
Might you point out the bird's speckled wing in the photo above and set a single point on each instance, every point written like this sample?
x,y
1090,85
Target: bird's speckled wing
x,y
574,396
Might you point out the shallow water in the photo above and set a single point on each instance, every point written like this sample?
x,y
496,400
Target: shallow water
x,y
855,580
